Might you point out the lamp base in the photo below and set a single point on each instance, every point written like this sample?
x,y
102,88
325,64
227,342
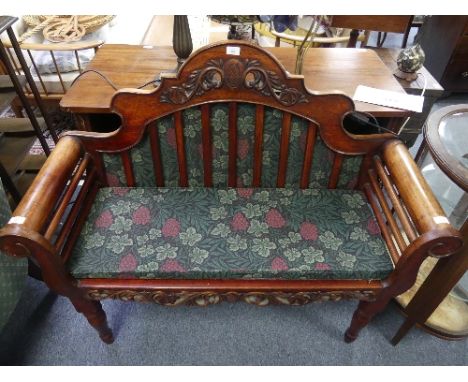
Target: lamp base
x,y
405,75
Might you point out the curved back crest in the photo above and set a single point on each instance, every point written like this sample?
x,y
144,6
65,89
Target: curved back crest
x,y
212,74
235,108
235,72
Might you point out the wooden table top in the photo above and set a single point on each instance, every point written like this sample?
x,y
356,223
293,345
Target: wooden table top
x,y
325,69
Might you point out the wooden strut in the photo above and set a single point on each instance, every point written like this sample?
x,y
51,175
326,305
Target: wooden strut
x,y
390,188
380,221
258,146
308,154
387,212
232,147
179,133
207,146
284,148
66,199
156,155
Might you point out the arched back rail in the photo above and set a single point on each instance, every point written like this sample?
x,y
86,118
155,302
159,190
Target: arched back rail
x,y
234,74
214,74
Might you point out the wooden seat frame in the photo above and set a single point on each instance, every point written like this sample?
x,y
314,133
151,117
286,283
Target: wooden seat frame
x,y
411,220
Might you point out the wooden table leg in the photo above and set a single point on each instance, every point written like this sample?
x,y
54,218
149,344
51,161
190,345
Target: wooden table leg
x,y
407,32
445,275
421,152
353,36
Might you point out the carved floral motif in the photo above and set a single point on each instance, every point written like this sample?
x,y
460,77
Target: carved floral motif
x,y
234,73
210,298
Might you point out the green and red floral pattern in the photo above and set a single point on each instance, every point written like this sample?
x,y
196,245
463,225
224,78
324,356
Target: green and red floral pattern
x,y
230,233
143,165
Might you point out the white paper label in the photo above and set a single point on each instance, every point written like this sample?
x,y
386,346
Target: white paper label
x,y
17,220
234,50
441,220
389,98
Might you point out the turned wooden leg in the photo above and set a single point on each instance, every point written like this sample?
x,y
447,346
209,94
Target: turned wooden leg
x,y
61,282
362,316
96,316
360,320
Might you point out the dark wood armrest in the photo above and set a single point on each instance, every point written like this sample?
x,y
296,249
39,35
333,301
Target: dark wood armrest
x,y
44,204
41,197
417,199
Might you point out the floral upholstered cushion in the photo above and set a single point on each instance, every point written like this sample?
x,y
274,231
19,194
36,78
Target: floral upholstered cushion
x,y
230,233
143,163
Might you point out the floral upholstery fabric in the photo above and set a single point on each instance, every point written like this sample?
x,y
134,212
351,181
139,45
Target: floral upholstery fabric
x,y
230,233
143,164
13,271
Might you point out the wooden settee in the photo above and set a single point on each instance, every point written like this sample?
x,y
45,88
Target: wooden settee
x,y
230,181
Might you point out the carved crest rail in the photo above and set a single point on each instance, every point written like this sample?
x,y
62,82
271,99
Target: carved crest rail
x,y
234,73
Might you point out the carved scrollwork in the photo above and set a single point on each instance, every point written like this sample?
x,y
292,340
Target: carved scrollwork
x,y
210,298
270,83
198,82
234,73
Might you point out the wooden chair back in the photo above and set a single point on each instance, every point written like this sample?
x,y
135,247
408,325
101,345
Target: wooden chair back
x,y
264,110
381,23
31,49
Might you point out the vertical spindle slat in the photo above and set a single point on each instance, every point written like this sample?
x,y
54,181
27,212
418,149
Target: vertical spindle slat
x,y
37,72
336,169
365,166
207,146
100,168
258,146
284,149
181,159
58,71
308,154
387,212
128,169
71,229
13,61
232,163
380,221
58,215
79,203
78,61
18,70
390,188
156,154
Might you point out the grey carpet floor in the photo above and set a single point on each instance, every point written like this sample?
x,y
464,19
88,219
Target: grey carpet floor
x,y
46,330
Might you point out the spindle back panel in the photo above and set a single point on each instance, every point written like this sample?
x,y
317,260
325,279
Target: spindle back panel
x,y
232,118
320,162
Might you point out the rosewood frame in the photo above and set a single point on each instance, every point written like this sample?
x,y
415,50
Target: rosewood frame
x,y
410,218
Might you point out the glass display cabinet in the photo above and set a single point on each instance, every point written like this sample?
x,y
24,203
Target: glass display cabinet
x,y
438,302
